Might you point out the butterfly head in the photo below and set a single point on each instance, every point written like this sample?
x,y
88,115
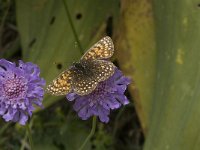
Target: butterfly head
x,y
77,65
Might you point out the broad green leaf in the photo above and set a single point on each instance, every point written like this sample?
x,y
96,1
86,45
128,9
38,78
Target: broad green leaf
x,y
47,37
135,50
69,136
175,123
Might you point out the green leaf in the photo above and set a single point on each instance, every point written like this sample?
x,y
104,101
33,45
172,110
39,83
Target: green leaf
x,y
175,122
47,37
68,135
136,53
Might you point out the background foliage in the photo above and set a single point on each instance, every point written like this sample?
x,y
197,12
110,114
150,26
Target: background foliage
x,y
47,39
156,44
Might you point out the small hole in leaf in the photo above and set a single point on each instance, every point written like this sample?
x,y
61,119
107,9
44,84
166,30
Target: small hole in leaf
x,y
93,147
78,16
109,27
52,20
59,145
119,4
32,42
198,5
59,66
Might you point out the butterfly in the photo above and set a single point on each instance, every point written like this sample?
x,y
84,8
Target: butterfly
x,y
83,76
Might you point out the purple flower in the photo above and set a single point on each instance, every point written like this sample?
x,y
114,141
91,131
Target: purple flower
x,y
20,89
108,95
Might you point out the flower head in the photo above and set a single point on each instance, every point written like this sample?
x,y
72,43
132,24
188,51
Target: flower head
x,y
109,94
20,89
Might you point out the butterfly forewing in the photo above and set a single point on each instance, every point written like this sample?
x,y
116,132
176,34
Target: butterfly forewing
x,y
103,49
61,85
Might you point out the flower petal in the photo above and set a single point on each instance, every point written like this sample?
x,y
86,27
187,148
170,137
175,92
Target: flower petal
x,y
2,109
23,118
80,103
10,114
103,114
83,113
71,96
122,99
22,88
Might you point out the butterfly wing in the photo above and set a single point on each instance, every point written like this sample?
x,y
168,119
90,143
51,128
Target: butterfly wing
x,y
82,82
83,85
85,81
103,49
61,85
102,70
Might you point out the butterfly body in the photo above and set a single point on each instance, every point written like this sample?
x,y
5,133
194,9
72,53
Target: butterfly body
x,y
82,67
83,76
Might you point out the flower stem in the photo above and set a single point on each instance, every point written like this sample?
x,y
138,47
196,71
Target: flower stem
x,y
116,120
29,136
72,26
3,128
94,123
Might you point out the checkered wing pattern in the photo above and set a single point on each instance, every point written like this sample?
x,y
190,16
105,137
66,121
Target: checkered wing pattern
x,y
84,85
61,85
102,70
84,82
103,49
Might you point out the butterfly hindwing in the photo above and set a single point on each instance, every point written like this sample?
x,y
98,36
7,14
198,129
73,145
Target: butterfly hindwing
x,y
61,85
90,74
102,70
84,87
83,82
103,49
